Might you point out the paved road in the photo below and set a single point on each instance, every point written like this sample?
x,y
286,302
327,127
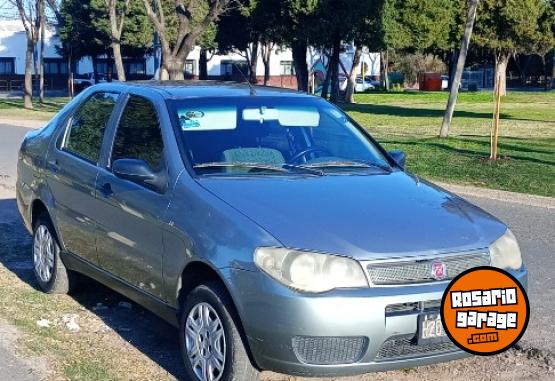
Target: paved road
x,y
534,226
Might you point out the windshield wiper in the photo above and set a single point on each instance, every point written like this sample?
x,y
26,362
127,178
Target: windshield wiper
x,y
307,169
241,165
347,164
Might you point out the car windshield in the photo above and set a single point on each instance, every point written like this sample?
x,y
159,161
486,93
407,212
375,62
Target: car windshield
x,y
273,135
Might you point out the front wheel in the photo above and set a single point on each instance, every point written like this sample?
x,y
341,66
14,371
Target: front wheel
x,y
211,345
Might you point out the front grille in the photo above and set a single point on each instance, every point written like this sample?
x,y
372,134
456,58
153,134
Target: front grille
x,y
420,271
329,350
401,347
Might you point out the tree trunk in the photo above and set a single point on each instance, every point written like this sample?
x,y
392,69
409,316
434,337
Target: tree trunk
x,y
454,93
299,50
501,62
253,64
174,68
495,129
453,60
203,65
41,57
351,81
327,79
266,57
120,69
28,89
334,96
95,68
384,58
70,89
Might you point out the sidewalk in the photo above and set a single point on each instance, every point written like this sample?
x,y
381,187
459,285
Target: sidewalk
x,y
13,367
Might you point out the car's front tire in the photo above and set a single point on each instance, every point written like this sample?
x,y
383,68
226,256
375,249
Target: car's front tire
x,y
50,272
211,344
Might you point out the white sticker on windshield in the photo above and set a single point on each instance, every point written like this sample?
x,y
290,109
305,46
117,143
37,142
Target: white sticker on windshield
x,y
208,118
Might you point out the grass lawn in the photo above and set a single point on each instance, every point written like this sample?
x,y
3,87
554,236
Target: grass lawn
x,y
410,121
12,108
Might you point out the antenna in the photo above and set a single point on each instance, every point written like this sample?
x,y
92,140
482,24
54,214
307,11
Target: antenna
x,y
251,87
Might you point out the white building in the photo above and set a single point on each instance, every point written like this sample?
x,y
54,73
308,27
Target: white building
x,y
13,46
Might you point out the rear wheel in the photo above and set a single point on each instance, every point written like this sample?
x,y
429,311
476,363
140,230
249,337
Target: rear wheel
x,y
50,272
211,345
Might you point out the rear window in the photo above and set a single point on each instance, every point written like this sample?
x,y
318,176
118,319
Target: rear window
x,y
87,125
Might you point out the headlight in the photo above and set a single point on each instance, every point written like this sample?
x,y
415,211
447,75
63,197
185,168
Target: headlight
x,y
311,272
505,252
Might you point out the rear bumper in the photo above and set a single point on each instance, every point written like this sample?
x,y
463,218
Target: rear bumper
x,y
274,316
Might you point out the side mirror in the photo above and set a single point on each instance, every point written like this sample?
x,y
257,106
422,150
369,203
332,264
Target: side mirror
x,y
399,156
138,171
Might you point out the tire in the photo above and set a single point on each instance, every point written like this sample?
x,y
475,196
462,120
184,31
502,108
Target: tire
x,y
213,297
55,277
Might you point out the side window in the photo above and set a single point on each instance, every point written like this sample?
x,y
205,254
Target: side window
x,y
138,135
87,125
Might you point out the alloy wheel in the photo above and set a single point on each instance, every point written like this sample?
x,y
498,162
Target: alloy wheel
x,y
205,342
44,249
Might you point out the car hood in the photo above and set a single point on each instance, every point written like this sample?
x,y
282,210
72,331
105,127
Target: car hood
x,y
364,217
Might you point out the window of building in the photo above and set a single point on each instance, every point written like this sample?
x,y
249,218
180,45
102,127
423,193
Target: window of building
x,y
131,66
287,68
189,68
55,66
7,65
134,67
230,67
86,130
138,135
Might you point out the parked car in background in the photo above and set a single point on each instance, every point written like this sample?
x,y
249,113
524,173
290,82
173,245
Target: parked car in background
x,y
360,85
444,82
82,81
269,227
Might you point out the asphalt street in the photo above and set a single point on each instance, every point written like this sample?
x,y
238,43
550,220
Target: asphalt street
x,y
534,226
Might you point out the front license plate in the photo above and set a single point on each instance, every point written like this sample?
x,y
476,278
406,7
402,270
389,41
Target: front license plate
x,y
430,329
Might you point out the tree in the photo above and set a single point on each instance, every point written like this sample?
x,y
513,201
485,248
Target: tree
x,y
410,26
506,27
454,91
297,21
30,12
365,31
79,36
117,11
252,30
127,28
179,25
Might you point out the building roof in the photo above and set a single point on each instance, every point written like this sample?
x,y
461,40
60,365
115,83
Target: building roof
x,y
193,89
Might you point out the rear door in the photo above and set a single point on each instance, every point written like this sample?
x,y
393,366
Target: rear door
x,y
72,170
129,234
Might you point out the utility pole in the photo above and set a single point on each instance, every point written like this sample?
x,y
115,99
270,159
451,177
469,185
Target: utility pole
x,y
455,84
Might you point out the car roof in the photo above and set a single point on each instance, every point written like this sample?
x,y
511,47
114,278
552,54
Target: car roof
x,y
196,89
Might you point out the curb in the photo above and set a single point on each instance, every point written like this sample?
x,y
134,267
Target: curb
x,y
25,123
493,194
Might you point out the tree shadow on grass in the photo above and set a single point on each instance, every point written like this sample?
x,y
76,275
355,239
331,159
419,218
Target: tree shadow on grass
x,y
155,338
48,106
380,109
433,142
414,112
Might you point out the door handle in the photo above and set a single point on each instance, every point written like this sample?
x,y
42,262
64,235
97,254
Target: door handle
x,y
106,189
53,165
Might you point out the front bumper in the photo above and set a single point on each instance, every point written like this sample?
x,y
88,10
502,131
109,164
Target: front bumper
x,y
273,316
